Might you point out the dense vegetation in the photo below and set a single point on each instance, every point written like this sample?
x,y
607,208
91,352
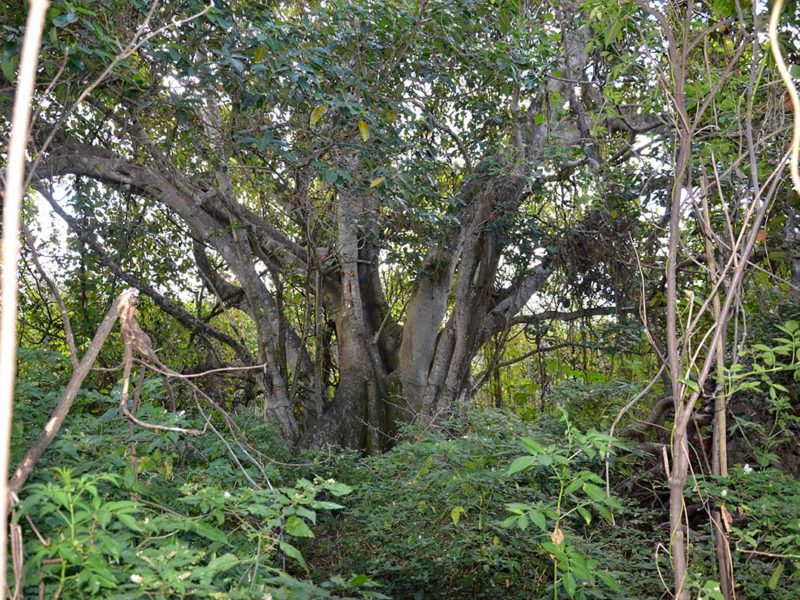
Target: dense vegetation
x,y
408,299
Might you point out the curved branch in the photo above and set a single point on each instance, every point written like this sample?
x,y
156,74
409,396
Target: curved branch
x,y
171,308
556,315
204,211
226,292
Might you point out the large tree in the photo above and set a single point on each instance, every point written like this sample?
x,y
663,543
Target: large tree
x,y
378,186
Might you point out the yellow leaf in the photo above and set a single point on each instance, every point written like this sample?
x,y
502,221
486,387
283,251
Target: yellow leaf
x,y
316,114
496,541
391,116
376,182
363,129
456,513
260,54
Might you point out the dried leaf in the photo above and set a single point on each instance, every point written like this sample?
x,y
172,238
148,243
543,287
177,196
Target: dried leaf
x,y
727,517
557,537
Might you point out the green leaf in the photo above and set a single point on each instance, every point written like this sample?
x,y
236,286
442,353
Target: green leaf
x,y
325,505
209,532
776,575
296,527
538,519
594,492
711,591
337,489
555,551
223,563
608,580
306,514
517,508
9,67
129,522
65,20
570,585
531,445
523,463
509,521
790,327
691,384
589,476
293,552
360,580
579,567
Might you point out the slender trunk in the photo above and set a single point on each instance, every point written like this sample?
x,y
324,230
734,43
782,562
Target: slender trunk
x,y
719,448
680,454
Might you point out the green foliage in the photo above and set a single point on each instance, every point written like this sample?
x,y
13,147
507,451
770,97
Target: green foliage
x,y
393,99
764,524
221,542
772,373
430,516
579,494
185,524
424,518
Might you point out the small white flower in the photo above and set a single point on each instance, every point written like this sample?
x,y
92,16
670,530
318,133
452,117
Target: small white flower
x,y
136,578
331,481
267,597
724,493
184,575
747,468
227,494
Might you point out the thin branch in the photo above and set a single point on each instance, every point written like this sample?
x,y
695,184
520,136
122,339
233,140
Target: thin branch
x,y
132,338
775,46
61,410
557,315
12,208
53,288
169,307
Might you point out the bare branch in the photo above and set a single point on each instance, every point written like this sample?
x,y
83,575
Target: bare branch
x,y
12,208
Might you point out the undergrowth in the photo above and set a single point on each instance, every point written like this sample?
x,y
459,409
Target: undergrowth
x,y
485,505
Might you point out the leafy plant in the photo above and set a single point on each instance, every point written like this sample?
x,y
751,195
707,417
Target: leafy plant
x,y
86,533
234,540
761,510
774,371
578,495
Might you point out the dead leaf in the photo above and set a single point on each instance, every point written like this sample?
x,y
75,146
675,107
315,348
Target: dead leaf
x,y
727,517
557,537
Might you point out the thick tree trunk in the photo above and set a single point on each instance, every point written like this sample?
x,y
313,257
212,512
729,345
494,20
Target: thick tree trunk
x,y
431,368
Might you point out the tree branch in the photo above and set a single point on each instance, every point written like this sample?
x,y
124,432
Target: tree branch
x,y
169,307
